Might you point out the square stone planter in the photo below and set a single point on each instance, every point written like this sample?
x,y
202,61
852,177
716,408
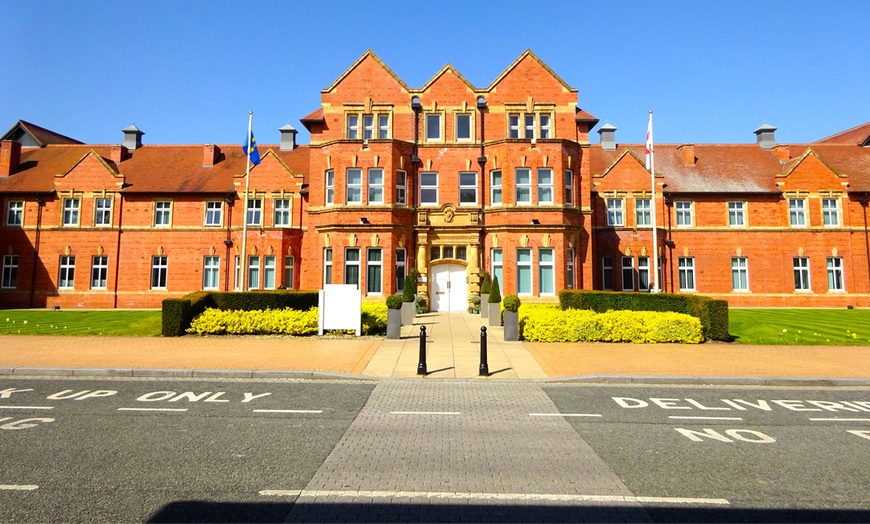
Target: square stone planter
x,y
511,326
494,314
408,313
394,323
484,305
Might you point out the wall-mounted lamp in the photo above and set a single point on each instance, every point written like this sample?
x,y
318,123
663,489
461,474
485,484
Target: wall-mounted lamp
x,y
363,220
415,105
670,244
228,242
481,103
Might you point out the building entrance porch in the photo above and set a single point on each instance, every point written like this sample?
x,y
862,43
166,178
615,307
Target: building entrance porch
x,y
449,289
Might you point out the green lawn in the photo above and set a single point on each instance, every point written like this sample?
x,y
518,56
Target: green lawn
x,y
109,322
831,327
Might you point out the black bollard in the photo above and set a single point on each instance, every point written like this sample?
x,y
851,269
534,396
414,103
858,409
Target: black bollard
x,y
421,366
484,365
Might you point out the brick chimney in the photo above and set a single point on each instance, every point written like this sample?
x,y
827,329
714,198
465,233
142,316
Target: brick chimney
x,y
687,153
119,154
10,157
607,132
782,152
765,135
210,154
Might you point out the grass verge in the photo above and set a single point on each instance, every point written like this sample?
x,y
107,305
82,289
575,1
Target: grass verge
x,y
827,327
110,322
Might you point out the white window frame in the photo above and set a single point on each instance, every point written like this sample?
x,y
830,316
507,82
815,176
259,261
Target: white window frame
x,y
163,213
739,274
270,272
607,273
254,214
383,126
514,125
71,211
428,188
67,272
687,273
253,275
401,187
642,212
433,122
684,212
643,273
545,188
99,271
470,118
329,196
544,121
159,271
352,126
102,212
628,269
352,263
831,212
289,272
569,187
801,266
836,282
736,214
495,190
376,189
327,265
15,213
524,188
281,212
357,187
615,214
374,271
401,268
797,212
466,186
524,265
214,213
10,272
529,126
497,265
569,268
211,270
546,265
237,283
368,126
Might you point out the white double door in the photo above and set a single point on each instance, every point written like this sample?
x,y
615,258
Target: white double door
x,y
449,288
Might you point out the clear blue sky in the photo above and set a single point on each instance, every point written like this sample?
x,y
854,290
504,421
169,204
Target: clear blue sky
x,y
189,71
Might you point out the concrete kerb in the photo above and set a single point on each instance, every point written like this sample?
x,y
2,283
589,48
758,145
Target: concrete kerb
x,y
708,381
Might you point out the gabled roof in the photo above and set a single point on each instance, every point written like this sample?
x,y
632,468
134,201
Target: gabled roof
x,y
110,166
368,54
39,135
529,54
858,135
439,74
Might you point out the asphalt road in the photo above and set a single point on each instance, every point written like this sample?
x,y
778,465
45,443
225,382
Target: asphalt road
x,y
135,450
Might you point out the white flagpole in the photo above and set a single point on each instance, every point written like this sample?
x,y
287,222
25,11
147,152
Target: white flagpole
x,y
655,231
244,262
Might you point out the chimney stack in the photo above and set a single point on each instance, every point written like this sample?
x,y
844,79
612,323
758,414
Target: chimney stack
x,y
765,135
132,137
607,132
118,154
210,154
687,153
288,138
10,157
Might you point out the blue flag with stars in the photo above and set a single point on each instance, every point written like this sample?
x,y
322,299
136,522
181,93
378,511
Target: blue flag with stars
x,y
254,154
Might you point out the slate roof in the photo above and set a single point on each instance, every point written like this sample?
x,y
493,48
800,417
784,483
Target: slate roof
x,y
858,135
41,135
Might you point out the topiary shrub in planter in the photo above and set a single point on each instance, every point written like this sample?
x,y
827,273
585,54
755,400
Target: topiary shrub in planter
x,y
511,317
408,305
485,287
494,302
394,316
475,305
422,304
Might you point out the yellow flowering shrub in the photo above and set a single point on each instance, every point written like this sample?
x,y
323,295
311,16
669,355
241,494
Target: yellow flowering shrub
x,y
539,323
280,321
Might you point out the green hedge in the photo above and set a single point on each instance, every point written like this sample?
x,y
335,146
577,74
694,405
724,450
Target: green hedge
x,y
178,313
713,314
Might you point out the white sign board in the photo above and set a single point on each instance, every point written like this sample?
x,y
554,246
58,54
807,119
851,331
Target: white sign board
x,y
340,308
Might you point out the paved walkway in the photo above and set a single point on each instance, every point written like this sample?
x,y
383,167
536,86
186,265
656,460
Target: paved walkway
x,y
453,345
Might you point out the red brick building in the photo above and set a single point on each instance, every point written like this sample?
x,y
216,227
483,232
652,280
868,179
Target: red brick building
x,y
447,178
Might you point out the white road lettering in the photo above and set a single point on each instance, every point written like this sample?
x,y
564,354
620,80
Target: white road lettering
x,y
736,403
668,403
628,402
831,406
190,396
794,405
860,433
156,396
6,393
706,408
69,394
856,405
840,419
25,423
743,435
214,398
250,396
